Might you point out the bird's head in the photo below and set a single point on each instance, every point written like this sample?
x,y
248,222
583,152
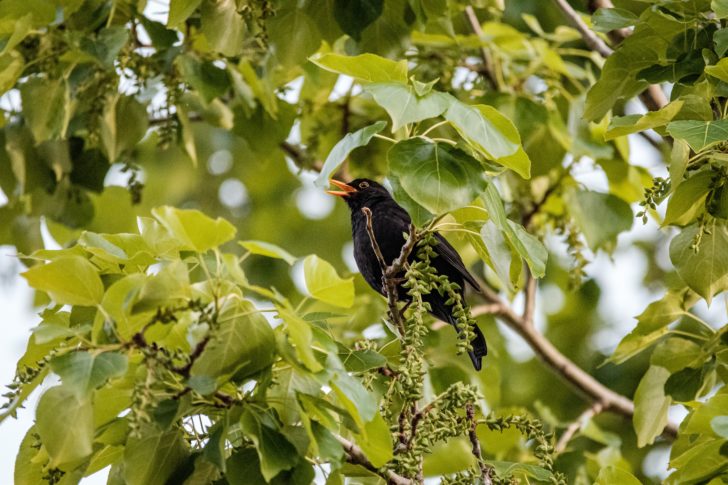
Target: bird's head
x,y
360,192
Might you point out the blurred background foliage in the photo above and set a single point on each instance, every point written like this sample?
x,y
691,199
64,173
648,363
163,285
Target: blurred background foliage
x,y
112,108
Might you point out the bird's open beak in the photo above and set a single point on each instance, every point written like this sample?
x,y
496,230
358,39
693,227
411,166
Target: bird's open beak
x,y
345,189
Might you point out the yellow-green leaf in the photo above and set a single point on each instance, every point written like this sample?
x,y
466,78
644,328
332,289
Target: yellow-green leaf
x,y
324,284
69,280
194,229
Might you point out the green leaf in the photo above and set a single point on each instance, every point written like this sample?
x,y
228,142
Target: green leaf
x,y
27,469
263,248
419,214
526,245
301,336
507,468
68,280
720,39
161,37
346,145
651,405
684,385
193,229
720,7
244,468
490,133
688,200
376,441
676,353
645,47
635,342
625,125
180,10
169,286
353,16
719,70
608,19
205,77
612,475
365,67
324,284
275,452
293,36
499,252
437,176
700,462
353,396
243,343
446,458
701,420
362,360
615,216
46,107
107,44
11,67
153,457
699,134
123,124
703,271
679,156
403,104
65,424
222,25
82,372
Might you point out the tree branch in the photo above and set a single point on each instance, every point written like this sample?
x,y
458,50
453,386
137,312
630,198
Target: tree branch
x,y
473,436
389,273
571,373
653,97
577,425
356,456
592,40
529,305
488,70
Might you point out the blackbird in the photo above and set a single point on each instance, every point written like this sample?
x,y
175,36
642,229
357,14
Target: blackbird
x,y
390,223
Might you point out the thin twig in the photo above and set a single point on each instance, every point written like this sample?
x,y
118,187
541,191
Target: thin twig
x,y
356,456
373,240
473,435
572,374
389,285
591,39
529,305
653,97
488,69
577,425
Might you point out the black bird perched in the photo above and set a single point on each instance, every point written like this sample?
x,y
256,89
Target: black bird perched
x,y
390,222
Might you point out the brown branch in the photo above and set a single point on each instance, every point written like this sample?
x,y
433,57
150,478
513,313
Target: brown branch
x,y
356,456
653,97
571,373
590,38
488,70
389,286
577,425
529,306
473,436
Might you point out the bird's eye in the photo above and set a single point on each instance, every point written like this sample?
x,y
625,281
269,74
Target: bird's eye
x,y
363,185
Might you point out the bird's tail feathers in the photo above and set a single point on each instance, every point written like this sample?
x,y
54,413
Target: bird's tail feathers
x,y
480,348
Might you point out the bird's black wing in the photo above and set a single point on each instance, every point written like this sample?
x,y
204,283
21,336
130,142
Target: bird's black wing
x,y
448,254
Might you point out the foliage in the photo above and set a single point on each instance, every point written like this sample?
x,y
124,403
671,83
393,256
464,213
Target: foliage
x,y
184,357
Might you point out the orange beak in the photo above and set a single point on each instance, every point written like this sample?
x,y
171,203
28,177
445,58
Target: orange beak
x,y
345,189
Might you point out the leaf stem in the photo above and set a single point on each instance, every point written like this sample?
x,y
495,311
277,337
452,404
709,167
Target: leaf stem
x,y
435,126
382,137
